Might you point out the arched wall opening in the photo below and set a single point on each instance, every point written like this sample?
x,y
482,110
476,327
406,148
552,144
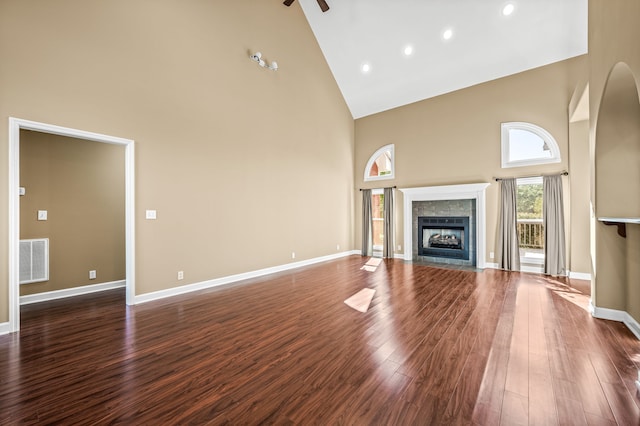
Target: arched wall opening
x,y
617,194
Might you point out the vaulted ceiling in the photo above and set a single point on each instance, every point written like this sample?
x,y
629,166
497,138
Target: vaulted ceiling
x,y
389,53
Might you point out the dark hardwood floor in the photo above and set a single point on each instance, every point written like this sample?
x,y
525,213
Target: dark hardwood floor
x,y
437,346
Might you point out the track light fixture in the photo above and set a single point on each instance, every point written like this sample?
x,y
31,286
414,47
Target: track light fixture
x,y
257,57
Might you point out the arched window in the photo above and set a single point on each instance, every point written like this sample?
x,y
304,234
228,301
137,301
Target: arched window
x,y
381,164
525,144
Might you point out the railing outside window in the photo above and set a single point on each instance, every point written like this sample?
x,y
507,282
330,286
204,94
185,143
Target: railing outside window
x,y
531,233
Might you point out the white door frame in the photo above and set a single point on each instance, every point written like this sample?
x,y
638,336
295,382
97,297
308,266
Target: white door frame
x,y
15,125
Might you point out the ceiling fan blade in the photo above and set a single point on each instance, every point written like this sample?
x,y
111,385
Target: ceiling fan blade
x,y
323,5
288,2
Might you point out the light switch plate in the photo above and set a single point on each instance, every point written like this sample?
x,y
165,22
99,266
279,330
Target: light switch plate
x,y
42,215
151,214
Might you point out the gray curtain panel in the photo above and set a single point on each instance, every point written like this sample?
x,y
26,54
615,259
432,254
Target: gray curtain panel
x,y
389,240
367,221
508,246
553,221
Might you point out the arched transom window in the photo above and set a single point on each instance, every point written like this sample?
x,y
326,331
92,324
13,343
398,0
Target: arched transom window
x,y
381,164
525,144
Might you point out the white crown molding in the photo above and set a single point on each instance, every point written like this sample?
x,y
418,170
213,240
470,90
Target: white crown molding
x,y
175,291
70,292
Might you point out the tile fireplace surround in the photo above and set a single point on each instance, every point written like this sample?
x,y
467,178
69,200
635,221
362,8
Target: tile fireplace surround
x,y
474,191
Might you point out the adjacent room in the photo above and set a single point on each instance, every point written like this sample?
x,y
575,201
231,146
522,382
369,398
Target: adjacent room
x,y
320,211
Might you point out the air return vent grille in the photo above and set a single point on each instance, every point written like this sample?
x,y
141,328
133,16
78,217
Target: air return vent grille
x,y
34,260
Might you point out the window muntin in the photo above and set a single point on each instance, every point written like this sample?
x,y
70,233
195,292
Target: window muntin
x,y
381,164
525,144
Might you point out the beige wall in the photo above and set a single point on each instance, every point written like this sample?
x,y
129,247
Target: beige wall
x,y
455,138
613,35
579,197
81,185
243,165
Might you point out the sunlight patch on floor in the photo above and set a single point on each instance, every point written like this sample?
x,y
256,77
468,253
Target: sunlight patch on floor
x,y
372,264
361,300
569,294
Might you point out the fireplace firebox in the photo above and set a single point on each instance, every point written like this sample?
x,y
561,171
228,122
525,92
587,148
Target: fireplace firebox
x,y
446,236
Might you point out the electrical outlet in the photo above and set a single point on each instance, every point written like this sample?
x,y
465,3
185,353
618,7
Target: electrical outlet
x,y
399,247
92,275
42,215
491,255
151,214
338,247
293,254
180,275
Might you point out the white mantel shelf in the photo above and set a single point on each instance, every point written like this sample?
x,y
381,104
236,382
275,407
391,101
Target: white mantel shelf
x,y
472,191
635,220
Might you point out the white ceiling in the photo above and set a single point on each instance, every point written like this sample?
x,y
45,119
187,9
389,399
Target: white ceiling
x,y
485,45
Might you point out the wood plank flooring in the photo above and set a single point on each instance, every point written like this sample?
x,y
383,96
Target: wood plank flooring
x,y
436,346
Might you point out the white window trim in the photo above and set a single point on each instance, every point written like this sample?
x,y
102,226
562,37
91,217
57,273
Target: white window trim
x,y
546,136
533,180
374,157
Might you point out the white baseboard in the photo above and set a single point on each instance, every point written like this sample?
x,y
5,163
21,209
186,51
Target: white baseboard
x,y
580,275
5,328
616,315
175,291
532,269
398,256
523,268
70,292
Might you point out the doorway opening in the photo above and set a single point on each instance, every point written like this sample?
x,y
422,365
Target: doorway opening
x,y
15,126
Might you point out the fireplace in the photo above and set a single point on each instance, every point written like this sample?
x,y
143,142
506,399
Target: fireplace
x,y
444,236
453,200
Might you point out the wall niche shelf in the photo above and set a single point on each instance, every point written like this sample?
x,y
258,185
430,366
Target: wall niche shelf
x,y
620,222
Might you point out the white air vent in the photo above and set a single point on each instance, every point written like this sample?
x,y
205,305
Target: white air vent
x,y
34,260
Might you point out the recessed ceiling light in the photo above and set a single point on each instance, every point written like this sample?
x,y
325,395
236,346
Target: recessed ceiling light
x,y
447,34
365,68
408,50
508,9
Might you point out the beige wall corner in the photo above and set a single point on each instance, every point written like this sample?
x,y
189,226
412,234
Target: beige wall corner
x,y
244,165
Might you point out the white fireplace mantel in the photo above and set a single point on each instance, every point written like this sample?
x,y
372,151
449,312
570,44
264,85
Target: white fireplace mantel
x,y
473,191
